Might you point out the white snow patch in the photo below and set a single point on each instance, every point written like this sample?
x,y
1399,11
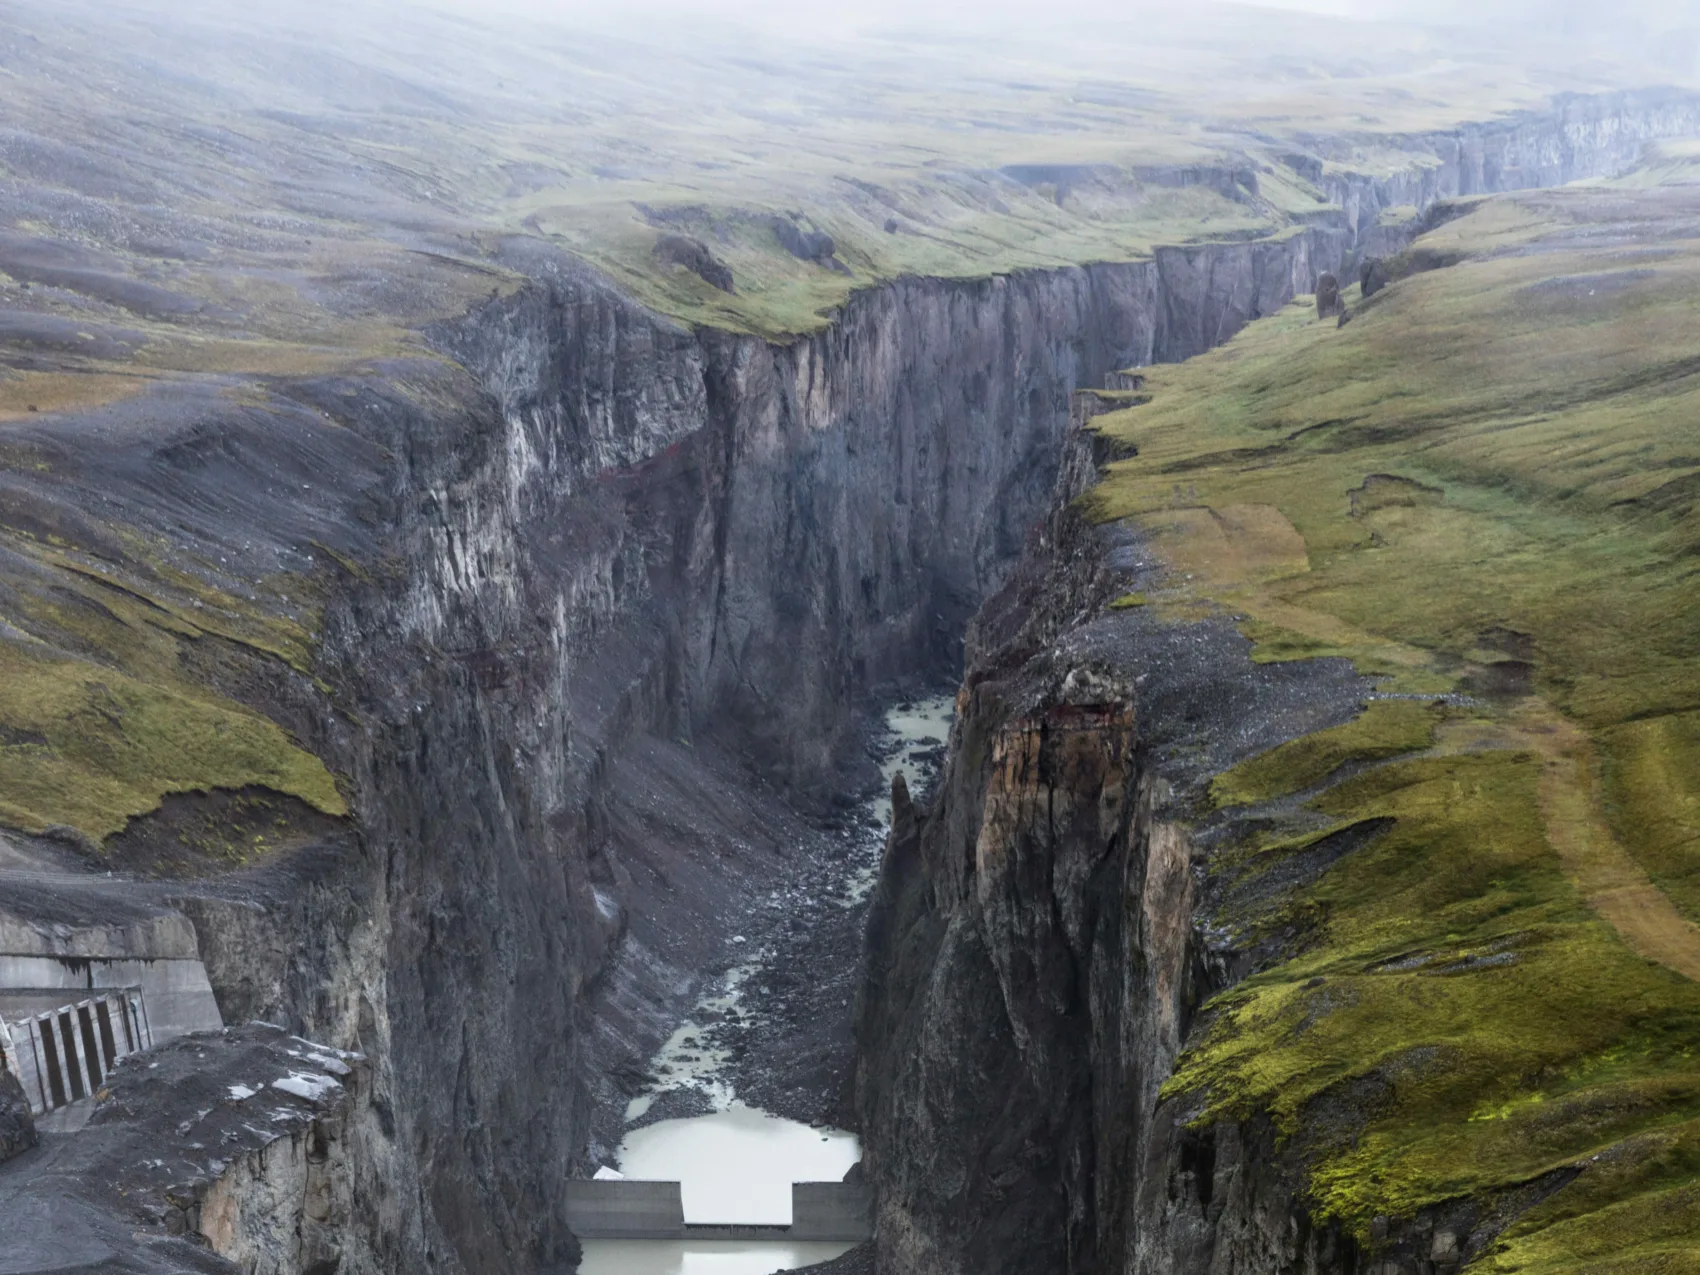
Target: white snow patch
x,y
311,1085
241,1093
605,1174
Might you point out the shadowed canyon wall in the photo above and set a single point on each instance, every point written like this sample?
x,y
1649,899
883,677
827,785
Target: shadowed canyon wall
x,y
602,573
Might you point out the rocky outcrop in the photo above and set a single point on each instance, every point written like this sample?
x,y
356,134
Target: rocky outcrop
x,y
236,1145
806,244
1328,297
694,255
17,1125
1035,953
598,572
1034,964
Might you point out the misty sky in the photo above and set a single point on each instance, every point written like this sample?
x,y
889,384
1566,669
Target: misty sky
x,y
1662,13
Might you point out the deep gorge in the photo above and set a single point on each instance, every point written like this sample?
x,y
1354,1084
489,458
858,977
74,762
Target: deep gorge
x,y
620,596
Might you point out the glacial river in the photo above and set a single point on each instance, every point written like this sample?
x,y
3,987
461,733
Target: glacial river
x,y
737,1164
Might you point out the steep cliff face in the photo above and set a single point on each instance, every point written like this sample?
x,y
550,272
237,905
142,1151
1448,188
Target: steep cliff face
x,y
17,1126
617,568
1581,136
1033,958
632,569
1039,943
682,560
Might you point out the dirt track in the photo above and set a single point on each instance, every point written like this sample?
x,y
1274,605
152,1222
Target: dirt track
x,y
1604,871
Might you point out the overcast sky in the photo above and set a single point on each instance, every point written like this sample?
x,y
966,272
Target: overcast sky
x,y
1674,13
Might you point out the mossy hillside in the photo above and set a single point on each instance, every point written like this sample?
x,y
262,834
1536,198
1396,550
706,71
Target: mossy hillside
x,y
979,227
106,699
1479,488
1386,728
90,747
280,196
1514,1035
1652,794
1536,392
1668,163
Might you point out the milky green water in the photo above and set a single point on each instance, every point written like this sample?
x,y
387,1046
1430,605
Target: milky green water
x,y
737,1165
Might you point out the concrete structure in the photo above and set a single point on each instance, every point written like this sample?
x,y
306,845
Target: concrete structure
x,y
626,1210
64,1054
621,1210
157,956
831,1211
77,995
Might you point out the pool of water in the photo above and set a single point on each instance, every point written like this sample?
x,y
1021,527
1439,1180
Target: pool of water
x,y
737,1165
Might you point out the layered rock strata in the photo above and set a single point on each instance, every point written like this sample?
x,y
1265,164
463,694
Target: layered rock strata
x,y
593,574
1038,949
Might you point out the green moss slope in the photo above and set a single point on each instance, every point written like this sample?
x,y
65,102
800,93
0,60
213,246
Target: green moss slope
x,y
91,747
106,693
1482,488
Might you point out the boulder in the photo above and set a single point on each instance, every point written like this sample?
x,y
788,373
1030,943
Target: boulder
x,y
1328,303
805,244
1372,275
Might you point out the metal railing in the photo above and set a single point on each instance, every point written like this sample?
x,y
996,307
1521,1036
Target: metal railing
x,y
64,1055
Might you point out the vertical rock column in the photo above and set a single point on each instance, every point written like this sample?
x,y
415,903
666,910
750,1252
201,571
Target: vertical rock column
x,y
1029,931
17,1126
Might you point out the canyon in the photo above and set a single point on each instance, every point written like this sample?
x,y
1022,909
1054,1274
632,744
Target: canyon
x,y
604,606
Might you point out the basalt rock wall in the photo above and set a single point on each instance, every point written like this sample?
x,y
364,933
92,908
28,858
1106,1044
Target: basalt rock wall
x,y
683,560
607,571
1035,951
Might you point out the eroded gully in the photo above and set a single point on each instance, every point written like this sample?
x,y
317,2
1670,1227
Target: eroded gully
x,y
699,1121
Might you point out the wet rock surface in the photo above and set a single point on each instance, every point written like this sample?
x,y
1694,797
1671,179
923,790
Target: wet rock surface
x,y
17,1126
234,1146
858,1261
783,1042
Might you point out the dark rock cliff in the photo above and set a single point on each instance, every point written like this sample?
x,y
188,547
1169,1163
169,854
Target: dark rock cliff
x,y
1035,960
626,570
602,572
17,1126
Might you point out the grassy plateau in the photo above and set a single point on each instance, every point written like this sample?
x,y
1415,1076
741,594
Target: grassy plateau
x,y
1483,491
249,197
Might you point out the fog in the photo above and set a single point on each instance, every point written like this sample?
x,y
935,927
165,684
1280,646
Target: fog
x,y
1565,36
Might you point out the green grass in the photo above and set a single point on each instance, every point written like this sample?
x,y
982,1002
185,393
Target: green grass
x,y
1652,779
450,138
91,748
107,699
1484,485
1385,729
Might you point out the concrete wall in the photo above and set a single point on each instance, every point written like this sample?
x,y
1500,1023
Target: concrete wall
x,y
157,954
625,1210
831,1211
161,936
176,995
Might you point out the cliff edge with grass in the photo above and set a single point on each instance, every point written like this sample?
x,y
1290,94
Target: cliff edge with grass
x,y
1313,884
